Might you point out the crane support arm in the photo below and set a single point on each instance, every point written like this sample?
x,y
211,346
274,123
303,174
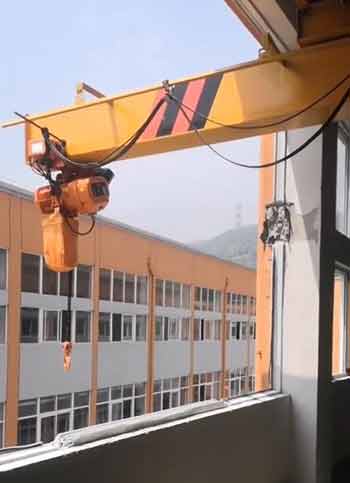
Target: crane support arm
x,y
255,93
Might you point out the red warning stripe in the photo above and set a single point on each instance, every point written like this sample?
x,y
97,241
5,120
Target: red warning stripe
x,y
191,99
152,129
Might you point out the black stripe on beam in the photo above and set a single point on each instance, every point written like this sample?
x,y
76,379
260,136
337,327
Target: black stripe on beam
x,y
172,110
206,100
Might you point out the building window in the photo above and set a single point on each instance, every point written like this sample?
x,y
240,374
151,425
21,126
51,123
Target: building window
x,y
81,409
2,420
342,186
30,273
105,284
159,328
185,329
82,326
27,424
118,286
3,269
186,296
168,293
203,329
239,383
228,303
141,327
84,281
197,298
50,328
170,393
159,292
104,327
116,327
127,327
233,330
29,324
211,300
217,301
129,288
50,281
206,386
66,326
177,294
141,290
204,299
217,329
244,304
120,402
66,279
2,324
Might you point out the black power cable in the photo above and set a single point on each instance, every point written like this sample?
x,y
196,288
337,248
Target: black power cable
x,y
278,161
271,124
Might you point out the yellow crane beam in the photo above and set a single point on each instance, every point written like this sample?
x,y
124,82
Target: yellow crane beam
x,y
255,93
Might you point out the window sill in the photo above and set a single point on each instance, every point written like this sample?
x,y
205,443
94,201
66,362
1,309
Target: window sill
x,y
108,433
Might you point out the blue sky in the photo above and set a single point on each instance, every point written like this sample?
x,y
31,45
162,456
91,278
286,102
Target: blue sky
x,y
115,46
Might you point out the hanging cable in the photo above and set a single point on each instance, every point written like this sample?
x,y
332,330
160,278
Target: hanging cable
x,y
79,233
268,125
278,161
118,152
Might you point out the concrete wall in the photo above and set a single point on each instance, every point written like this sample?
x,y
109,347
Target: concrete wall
x,y
121,363
245,445
172,358
42,374
207,356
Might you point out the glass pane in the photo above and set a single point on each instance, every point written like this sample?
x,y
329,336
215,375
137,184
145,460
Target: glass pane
x,y
30,273
339,319
84,281
127,408
129,288
82,326
50,280
101,413
185,329
66,278
81,418
102,394
140,389
26,433
3,269
104,327
116,327
47,429
118,283
157,402
127,390
50,332
204,299
64,401
116,411
27,407
47,404
81,398
139,406
141,290
159,328
197,298
105,284
63,423
211,299
177,294
66,326
186,296
341,187
168,293
2,324
29,324
141,326
159,293
116,392
127,327
173,329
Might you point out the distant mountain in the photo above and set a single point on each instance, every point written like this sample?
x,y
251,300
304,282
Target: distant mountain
x,y
237,245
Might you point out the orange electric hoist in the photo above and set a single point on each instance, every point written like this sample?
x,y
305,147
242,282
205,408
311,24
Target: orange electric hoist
x,y
76,189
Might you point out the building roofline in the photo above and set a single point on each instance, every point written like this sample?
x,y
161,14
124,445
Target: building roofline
x,y
15,190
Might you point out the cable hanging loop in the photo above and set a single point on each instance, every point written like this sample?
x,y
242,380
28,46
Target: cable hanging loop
x,y
278,161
